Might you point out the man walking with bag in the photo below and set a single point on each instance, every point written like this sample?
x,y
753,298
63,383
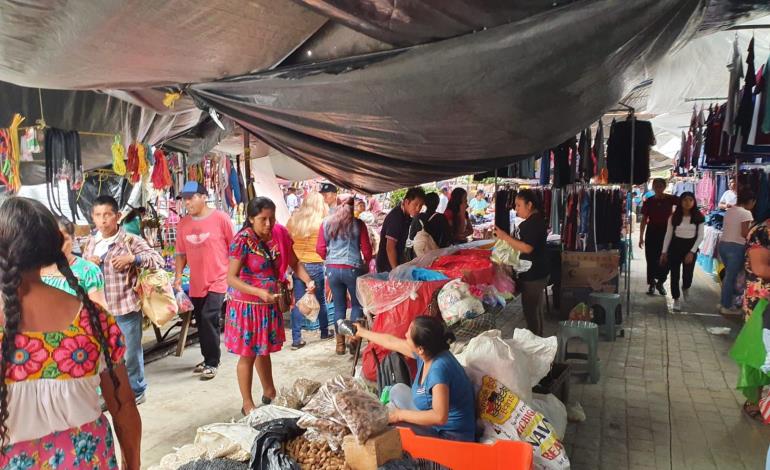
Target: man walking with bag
x,y
203,240
120,256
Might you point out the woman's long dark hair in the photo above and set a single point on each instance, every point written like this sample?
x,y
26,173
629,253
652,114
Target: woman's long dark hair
x,y
696,217
430,333
255,207
456,199
29,240
340,224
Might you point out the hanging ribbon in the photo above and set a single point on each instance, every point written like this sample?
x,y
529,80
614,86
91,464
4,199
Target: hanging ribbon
x,y
144,166
132,165
14,155
118,157
161,176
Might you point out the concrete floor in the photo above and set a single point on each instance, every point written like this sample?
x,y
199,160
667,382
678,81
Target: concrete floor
x,y
665,399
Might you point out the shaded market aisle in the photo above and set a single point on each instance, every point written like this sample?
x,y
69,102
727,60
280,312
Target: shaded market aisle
x,y
665,400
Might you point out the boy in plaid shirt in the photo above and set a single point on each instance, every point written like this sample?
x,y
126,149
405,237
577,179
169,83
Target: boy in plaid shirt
x,y
120,256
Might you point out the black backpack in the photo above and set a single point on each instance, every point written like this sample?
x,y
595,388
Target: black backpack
x,y
392,370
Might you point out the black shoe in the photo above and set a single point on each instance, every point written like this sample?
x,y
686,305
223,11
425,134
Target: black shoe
x,y
660,288
651,290
327,335
299,345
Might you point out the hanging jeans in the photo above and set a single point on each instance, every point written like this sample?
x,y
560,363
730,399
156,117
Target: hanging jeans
x,y
341,282
653,248
677,251
733,257
532,303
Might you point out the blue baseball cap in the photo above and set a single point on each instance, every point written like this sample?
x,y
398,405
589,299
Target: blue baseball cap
x,y
192,188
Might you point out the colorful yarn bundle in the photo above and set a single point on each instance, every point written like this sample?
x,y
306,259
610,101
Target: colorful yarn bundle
x,y
161,176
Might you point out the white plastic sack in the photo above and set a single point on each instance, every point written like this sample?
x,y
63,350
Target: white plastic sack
x,y
184,455
553,410
267,413
456,302
226,440
489,354
540,352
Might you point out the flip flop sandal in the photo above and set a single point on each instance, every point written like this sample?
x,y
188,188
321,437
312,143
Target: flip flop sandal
x,y
752,411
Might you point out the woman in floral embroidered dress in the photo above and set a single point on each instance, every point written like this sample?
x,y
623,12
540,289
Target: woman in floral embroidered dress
x,y
259,258
57,350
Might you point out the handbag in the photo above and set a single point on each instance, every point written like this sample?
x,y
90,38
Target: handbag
x,y
285,293
156,293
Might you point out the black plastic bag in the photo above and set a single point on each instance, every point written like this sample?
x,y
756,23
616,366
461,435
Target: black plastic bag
x,y
266,452
215,464
408,463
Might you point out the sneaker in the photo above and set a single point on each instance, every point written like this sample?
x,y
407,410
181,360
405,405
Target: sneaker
x,y
677,306
686,294
199,368
730,312
300,345
208,373
141,399
651,290
660,288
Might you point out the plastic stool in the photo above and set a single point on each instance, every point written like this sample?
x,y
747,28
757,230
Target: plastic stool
x,y
589,333
610,305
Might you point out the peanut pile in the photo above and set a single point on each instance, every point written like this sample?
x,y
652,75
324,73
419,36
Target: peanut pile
x,y
315,455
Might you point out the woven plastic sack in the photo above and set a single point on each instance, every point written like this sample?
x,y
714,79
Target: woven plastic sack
x,y
456,302
309,307
506,416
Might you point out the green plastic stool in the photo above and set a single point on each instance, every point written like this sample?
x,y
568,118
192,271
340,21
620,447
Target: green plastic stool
x,y
610,305
588,332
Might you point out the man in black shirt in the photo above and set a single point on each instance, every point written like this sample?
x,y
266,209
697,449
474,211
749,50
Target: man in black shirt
x,y
395,230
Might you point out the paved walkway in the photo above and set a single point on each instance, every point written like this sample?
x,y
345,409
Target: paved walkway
x,y
665,399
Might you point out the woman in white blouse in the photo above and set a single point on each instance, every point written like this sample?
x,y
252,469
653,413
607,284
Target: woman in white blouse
x,y
680,247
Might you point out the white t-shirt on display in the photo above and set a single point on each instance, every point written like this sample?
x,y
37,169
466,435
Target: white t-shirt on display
x,y
734,219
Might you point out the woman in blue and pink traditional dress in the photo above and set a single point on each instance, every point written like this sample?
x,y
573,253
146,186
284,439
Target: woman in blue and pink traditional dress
x,y
57,351
260,256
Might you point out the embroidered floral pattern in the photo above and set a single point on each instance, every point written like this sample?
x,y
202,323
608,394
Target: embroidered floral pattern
x,y
28,358
88,447
67,354
756,287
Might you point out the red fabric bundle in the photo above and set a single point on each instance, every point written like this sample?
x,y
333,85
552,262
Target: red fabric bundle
x,y
161,176
472,266
132,165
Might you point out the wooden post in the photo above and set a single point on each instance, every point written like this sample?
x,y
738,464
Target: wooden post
x,y
247,165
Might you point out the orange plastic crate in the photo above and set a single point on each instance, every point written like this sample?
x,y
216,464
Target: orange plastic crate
x,y
502,455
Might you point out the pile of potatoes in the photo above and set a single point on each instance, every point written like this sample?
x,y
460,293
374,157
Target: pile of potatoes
x,y
315,455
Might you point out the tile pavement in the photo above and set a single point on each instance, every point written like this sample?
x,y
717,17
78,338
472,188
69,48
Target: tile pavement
x,y
666,397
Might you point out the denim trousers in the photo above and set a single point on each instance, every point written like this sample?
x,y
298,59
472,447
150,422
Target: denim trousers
x,y
131,326
733,256
316,272
342,281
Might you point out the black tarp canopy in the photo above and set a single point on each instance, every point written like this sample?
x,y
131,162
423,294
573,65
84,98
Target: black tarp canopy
x,y
373,94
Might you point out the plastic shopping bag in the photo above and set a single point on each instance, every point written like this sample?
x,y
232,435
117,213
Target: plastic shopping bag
x,y
505,416
489,354
183,302
309,307
456,302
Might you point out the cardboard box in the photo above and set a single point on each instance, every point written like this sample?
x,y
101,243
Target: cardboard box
x,y
375,452
585,272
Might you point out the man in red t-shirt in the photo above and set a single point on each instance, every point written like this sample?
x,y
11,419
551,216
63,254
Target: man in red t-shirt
x,y
655,213
203,240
